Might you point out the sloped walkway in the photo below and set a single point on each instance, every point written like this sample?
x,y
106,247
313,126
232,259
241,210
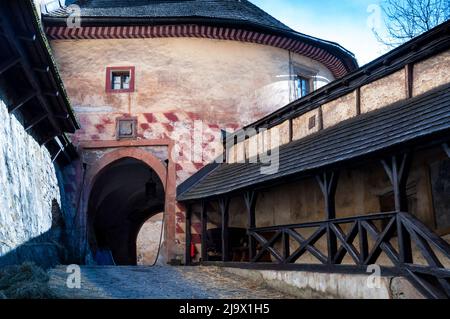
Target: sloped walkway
x,y
159,283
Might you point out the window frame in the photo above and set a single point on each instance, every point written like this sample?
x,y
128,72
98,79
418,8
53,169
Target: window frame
x,y
109,78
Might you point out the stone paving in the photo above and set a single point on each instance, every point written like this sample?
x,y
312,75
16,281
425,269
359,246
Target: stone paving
x,y
160,283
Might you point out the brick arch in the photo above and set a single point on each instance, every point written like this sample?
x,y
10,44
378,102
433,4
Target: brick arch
x,y
109,158
165,174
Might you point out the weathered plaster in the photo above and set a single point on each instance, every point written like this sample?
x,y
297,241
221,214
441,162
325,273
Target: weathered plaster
x,y
383,92
431,73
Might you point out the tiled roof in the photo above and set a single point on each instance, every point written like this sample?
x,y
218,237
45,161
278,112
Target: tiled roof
x,y
237,10
403,122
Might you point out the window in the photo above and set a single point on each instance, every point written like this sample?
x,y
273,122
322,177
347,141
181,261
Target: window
x,y
302,86
120,79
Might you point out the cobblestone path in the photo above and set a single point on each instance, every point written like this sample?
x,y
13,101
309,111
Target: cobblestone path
x,y
159,283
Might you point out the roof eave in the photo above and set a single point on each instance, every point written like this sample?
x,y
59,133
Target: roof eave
x,y
347,57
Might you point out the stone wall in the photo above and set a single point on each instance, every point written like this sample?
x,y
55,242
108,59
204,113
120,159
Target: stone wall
x,y
28,186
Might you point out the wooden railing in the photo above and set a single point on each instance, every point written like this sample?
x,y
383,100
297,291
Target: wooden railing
x,y
408,245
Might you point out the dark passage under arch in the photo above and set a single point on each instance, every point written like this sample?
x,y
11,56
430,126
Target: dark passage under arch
x,y
125,194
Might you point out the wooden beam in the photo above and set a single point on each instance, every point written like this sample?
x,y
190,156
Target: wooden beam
x,y
320,119
12,38
48,139
31,37
409,78
36,121
57,155
204,220
446,149
5,66
25,99
62,116
45,69
250,199
291,129
397,169
328,185
51,93
224,207
358,101
188,240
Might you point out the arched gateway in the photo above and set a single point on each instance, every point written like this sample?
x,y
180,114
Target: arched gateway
x,y
124,189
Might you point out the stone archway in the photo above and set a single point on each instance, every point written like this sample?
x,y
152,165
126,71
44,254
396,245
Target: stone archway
x,y
134,184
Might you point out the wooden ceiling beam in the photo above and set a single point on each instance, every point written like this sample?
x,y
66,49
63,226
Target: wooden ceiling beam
x,y
25,99
5,66
36,121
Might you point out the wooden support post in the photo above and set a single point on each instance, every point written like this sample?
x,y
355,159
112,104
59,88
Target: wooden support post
x,y
188,240
397,170
358,101
409,69
250,202
291,130
204,219
224,207
446,149
328,186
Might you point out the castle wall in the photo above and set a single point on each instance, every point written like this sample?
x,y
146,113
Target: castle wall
x,y
28,189
182,86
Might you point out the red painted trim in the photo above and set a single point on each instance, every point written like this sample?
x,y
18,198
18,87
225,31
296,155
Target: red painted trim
x,y
109,70
336,66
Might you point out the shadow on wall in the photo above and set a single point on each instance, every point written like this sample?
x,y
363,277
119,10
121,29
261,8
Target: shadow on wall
x,y
46,250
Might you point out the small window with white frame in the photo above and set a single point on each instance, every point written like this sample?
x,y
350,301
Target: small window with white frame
x,y
302,86
120,79
303,81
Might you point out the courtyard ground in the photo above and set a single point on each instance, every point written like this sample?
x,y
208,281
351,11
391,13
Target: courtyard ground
x,y
159,283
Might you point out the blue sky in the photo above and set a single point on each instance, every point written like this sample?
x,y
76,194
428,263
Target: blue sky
x,y
347,22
